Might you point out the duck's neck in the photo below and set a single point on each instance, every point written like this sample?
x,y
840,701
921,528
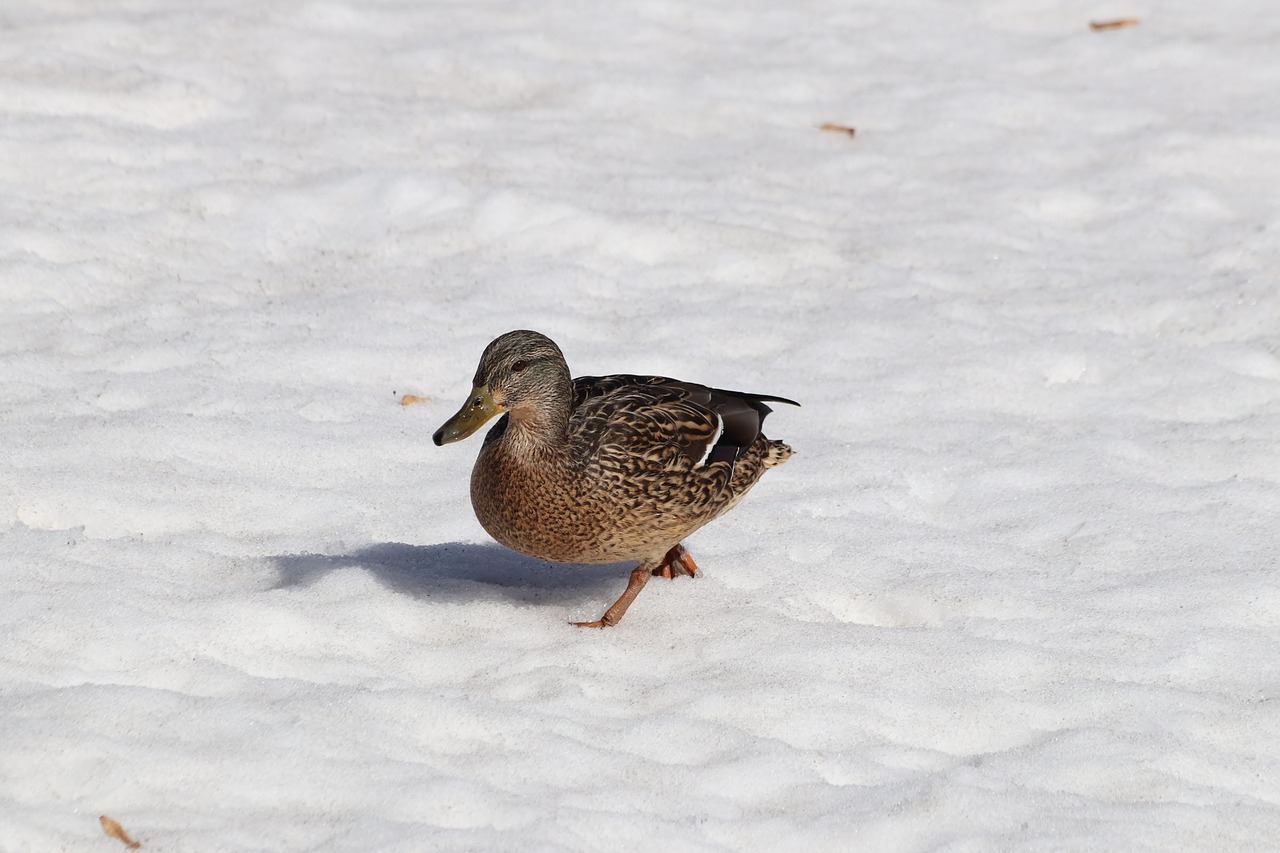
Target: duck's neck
x,y
539,428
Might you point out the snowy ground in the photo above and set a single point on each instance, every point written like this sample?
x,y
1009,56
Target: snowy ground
x,y
1017,589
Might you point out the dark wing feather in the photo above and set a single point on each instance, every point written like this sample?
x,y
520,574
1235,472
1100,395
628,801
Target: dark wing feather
x,y
707,424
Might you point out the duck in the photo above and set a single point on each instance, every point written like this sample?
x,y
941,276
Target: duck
x,y
605,469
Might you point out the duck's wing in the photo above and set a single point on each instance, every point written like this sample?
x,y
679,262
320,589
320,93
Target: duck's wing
x,y
643,415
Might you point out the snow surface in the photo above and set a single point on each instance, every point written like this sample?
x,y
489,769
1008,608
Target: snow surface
x,y
1017,589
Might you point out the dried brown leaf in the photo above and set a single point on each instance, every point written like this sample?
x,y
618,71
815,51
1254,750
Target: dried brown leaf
x,y
410,399
1114,24
838,128
113,828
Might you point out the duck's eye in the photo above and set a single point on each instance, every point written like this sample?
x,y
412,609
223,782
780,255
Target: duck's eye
x,y
519,366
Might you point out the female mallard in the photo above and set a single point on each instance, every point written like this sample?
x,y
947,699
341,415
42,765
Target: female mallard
x,y
602,469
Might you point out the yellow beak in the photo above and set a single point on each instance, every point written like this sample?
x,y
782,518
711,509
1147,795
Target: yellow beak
x,y
478,409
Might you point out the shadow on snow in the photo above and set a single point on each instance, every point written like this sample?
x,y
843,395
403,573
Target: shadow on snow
x,y
458,571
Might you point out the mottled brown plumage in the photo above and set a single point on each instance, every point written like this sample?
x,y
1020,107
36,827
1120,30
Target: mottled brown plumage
x,y
605,469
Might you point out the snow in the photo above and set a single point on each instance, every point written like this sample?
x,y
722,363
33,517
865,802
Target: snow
x,y
1017,588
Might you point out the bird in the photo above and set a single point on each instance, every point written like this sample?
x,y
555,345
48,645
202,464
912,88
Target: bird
x,y
605,469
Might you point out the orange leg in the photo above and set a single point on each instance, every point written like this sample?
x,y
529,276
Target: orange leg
x,y
639,577
676,557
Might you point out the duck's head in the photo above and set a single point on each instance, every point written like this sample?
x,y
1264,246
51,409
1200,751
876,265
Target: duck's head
x,y
522,373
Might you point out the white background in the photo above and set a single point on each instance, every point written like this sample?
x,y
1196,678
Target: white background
x,y
1017,588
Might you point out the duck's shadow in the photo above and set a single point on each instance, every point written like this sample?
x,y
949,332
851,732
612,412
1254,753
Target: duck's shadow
x,y
457,571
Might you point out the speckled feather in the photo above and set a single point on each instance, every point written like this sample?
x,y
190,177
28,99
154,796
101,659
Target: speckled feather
x,y
612,468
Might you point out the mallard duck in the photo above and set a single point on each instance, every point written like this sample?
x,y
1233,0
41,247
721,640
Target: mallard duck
x,y
605,469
